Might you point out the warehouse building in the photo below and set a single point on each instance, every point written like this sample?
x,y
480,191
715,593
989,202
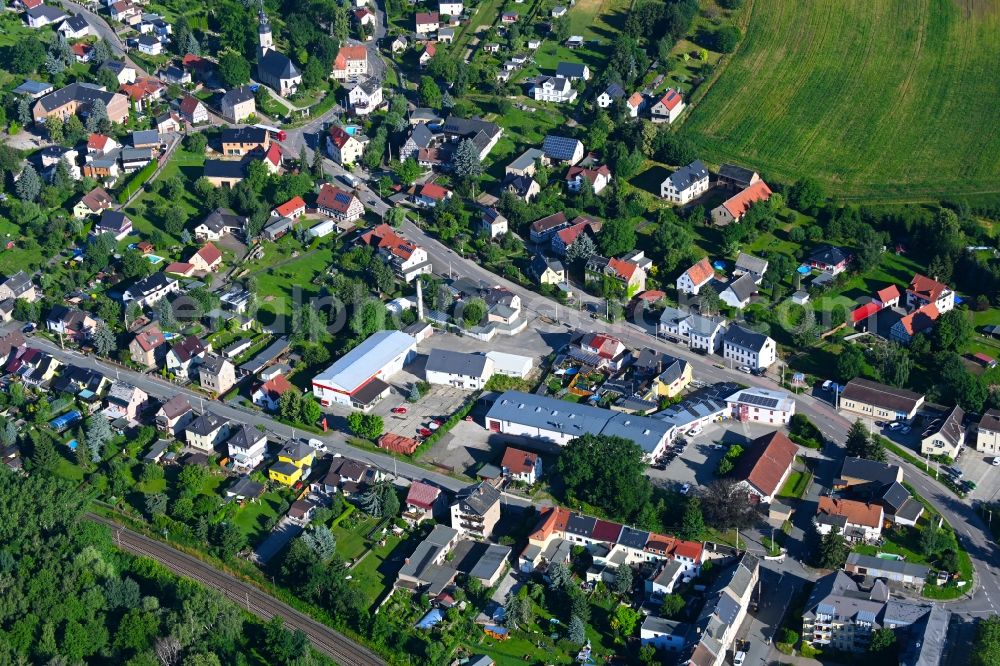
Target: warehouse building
x,y
357,379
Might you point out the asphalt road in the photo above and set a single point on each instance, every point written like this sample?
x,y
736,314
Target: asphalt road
x,y
324,639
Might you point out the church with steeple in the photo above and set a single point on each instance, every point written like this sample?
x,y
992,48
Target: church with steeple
x,y
274,69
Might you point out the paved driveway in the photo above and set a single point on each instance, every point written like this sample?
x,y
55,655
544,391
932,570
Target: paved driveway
x,y
286,530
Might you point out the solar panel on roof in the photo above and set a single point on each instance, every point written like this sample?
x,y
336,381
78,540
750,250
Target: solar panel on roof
x,y
760,401
342,198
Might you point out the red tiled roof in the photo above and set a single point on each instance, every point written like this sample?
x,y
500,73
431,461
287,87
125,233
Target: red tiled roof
x,y
671,99
651,295
570,234
691,549
290,206
97,141
384,237
209,254
701,272
80,49
888,293
273,154
606,531
328,198
189,105
589,174
548,222
431,49
338,136
142,88
635,100
427,17
738,204
763,465
422,494
31,4
857,513
434,191
149,338
97,199
926,288
624,269
553,519
920,319
518,461
192,61
349,53
276,386
179,268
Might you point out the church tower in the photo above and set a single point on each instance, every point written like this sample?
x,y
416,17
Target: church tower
x,y
264,32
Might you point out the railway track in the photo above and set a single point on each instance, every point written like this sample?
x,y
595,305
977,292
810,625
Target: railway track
x,y
331,643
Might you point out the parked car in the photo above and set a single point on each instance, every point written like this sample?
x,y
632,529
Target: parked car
x,y
685,489
996,461
28,328
424,432
895,425
399,410
746,369
695,431
739,658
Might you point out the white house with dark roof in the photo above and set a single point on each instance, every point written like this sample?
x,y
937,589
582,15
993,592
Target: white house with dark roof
x,y
150,290
553,89
698,331
749,264
458,369
750,348
686,184
944,435
739,292
611,93
574,71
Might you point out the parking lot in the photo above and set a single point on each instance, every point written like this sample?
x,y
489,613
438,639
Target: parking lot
x,y
694,462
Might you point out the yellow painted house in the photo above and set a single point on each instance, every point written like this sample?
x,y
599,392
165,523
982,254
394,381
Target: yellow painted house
x,y
293,463
673,378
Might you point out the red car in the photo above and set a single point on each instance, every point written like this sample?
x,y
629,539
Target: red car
x,y
424,432
399,410
438,422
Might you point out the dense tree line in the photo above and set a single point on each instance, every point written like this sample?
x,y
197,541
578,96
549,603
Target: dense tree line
x,y
71,597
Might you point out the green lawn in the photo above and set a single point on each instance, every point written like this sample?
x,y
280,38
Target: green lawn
x,y
253,516
378,570
796,484
886,100
351,536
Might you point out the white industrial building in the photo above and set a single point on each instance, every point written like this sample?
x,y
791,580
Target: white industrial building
x,y
357,379
458,369
758,405
558,421
512,365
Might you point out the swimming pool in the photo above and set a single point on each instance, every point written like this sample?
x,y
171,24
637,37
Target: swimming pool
x,y
352,129
153,259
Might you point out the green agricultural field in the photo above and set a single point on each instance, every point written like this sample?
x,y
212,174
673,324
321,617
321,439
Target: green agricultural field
x,y
891,100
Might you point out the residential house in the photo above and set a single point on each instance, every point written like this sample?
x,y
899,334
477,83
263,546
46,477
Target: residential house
x,y
663,634
148,291
149,45
148,347
19,286
426,23
747,264
543,229
924,291
668,108
339,204
365,97
72,323
748,348
601,351
635,104
43,15
522,466
94,202
224,173
562,149
672,375
546,270
700,332
124,11
430,50
429,195
428,569
399,44
629,276
723,614
365,18
842,615
873,481
186,355
988,432
523,187
216,374
525,163
739,292
293,208
476,510
246,446
491,223
599,178
828,259
351,63
174,415
458,369
888,297
920,320
193,111
759,405
693,279
293,464
735,207
75,27
342,147
878,401
172,74
143,91
238,104
243,140
33,89
686,184
268,395
895,573
856,521
78,98
125,401
765,465
206,259
944,436
82,52
450,8
206,431
274,69
423,501
220,222
611,93
573,71
507,18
